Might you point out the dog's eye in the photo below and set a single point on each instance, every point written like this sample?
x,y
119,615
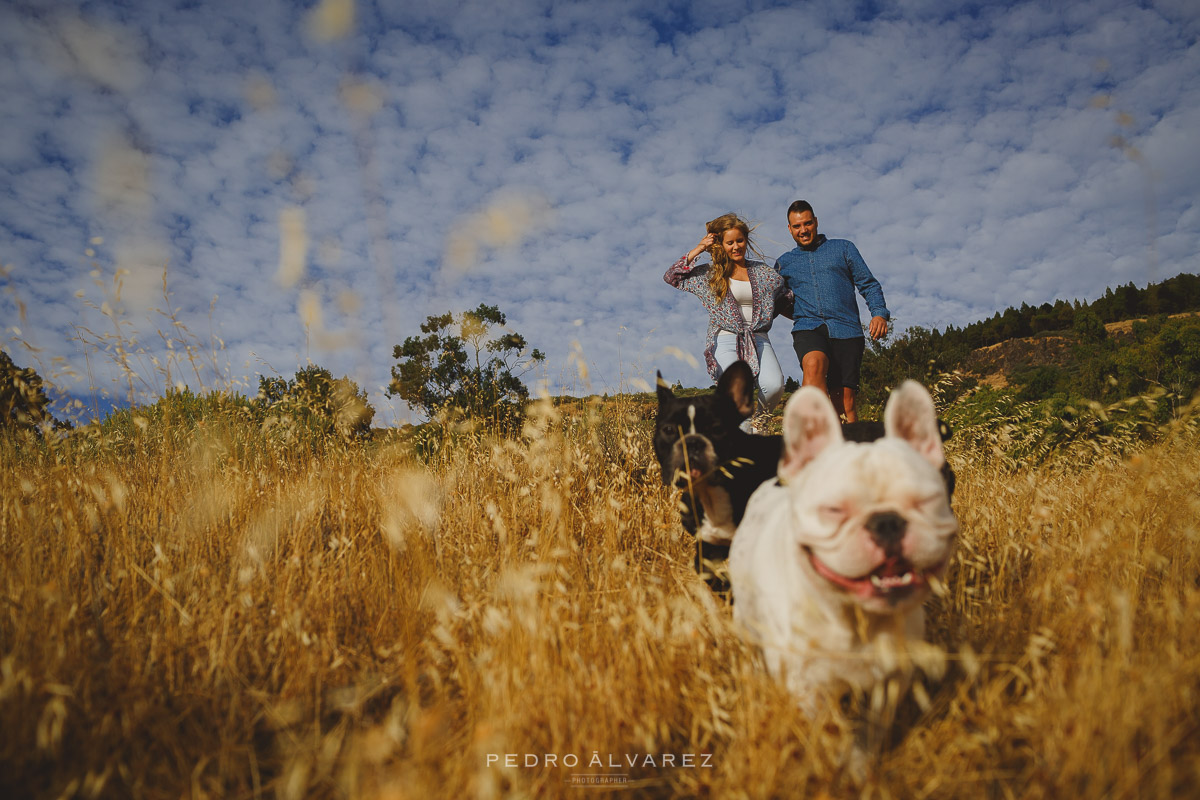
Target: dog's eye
x,y
669,430
932,501
832,514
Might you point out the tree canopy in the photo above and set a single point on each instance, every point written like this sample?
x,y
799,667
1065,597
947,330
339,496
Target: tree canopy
x,y
465,363
317,399
23,401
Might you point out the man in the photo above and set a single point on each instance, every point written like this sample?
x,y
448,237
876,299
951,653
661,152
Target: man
x,y
827,334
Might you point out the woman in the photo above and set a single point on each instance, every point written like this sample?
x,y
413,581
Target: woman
x,y
742,298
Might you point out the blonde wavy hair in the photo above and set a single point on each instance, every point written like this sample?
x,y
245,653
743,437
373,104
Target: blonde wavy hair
x,y
722,268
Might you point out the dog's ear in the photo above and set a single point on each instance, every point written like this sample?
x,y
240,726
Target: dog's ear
x,y
737,383
664,391
809,426
911,416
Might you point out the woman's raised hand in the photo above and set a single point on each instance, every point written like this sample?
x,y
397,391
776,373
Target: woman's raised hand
x,y
705,243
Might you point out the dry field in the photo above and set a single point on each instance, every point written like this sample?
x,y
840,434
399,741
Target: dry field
x,y
212,612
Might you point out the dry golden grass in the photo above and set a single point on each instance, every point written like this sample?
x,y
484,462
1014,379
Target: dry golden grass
x,y
207,614
1126,326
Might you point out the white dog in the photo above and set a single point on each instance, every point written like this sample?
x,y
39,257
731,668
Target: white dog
x,y
830,565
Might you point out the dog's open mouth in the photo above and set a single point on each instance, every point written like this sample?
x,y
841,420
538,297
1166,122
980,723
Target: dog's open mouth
x,y
692,477
697,476
894,579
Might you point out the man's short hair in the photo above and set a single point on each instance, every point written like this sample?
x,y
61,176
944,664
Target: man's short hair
x,y
799,207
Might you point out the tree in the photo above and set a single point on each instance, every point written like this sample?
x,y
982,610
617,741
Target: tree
x,y
317,399
23,401
1089,327
457,366
918,353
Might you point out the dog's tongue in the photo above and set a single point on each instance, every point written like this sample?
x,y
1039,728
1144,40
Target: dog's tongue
x,y
894,575
860,586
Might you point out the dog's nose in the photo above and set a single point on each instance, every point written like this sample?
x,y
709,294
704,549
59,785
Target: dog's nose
x,y
886,527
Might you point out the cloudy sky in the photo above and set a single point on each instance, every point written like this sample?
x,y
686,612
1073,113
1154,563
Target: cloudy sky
x,y
320,177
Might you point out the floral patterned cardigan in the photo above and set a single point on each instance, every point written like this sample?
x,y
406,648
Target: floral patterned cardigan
x,y
771,298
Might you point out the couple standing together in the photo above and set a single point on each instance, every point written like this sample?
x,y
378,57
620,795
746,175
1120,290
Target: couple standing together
x,y
812,284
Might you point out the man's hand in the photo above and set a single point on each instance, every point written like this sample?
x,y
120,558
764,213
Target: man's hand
x,y
878,327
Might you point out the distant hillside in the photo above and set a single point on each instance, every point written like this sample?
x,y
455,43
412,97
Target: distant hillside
x,y
1128,342
1125,327
1172,296
992,365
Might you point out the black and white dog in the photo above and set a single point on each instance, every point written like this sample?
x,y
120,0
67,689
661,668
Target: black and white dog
x,y
702,450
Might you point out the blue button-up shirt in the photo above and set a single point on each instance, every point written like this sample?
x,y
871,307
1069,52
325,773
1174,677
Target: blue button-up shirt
x,y
823,279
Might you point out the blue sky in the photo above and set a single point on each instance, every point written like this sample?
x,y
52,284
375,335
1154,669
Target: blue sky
x,y
364,165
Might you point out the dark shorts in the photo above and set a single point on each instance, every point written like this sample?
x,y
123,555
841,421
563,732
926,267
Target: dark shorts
x,y
845,355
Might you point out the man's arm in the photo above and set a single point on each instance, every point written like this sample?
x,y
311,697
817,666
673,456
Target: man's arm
x,y
868,286
785,299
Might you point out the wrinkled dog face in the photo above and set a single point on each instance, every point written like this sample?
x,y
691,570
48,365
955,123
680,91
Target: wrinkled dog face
x,y
871,522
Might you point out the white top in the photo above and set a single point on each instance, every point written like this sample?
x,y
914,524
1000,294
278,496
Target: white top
x,y
745,297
